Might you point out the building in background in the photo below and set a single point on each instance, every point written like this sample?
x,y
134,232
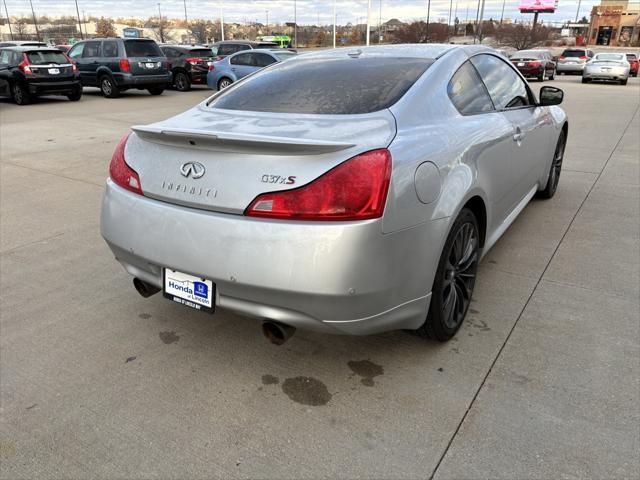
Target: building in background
x,y
615,23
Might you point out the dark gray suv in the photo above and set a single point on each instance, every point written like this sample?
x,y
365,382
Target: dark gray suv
x,y
118,64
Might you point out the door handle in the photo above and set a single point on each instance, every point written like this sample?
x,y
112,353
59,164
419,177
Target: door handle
x,y
518,136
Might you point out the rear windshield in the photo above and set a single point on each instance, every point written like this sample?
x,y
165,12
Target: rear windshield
x,y
267,45
142,48
47,57
631,56
200,52
574,53
331,86
606,57
528,53
284,55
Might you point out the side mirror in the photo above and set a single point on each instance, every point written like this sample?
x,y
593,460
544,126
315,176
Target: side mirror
x,y
550,96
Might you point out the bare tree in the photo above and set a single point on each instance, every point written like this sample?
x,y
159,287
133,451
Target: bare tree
x,y
521,37
105,28
418,32
201,30
160,29
20,27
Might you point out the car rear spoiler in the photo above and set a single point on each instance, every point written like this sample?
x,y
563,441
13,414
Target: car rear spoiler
x,y
225,141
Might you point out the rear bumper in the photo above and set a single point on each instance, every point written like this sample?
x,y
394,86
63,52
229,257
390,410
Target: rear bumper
x,y
54,88
531,72
333,277
613,75
570,67
141,80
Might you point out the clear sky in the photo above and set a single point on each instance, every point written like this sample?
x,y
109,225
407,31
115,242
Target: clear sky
x,y
309,11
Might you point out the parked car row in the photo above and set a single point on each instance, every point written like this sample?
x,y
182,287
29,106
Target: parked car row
x,y
29,69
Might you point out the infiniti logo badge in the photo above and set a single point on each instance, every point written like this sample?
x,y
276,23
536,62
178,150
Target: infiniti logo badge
x,y
192,169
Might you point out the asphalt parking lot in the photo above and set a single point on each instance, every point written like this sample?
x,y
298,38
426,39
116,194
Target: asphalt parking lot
x,y
97,382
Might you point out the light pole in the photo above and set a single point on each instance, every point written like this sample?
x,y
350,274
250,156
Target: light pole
x,y
480,24
186,20
79,21
502,14
428,14
368,20
334,23
267,25
8,18
578,11
295,24
222,20
35,22
380,24
449,20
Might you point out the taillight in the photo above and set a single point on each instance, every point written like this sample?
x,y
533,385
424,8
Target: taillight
x,y
125,66
24,65
535,63
561,57
121,173
583,57
193,60
354,190
212,67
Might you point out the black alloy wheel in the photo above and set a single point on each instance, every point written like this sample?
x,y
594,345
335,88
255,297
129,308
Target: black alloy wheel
x,y
182,82
455,279
556,168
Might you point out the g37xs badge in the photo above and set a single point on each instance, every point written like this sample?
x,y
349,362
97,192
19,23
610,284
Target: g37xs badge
x,y
278,179
192,169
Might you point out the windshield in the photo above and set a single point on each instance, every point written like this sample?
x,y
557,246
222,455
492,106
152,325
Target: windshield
x,y
142,48
609,57
631,56
46,57
332,86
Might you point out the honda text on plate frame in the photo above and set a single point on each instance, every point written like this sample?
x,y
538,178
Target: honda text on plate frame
x,y
400,166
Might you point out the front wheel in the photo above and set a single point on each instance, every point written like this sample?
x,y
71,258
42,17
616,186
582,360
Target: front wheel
x,y
553,75
543,76
556,168
156,90
20,94
585,80
455,279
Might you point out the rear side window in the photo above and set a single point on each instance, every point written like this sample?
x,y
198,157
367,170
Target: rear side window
x,y
242,59
44,58
331,86
262,59
144,48
5,57
467,92
91,49
228,49
506,88
109,49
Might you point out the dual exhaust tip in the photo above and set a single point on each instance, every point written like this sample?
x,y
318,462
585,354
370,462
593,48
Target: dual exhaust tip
x,y
276,332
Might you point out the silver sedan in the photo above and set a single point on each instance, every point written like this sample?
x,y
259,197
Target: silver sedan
x,y
610,67
350,191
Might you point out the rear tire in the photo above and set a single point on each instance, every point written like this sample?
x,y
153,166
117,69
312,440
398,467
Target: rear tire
x,y
108,87
155,90
224,83
20,94
585,80
553,75
76,95
182,82
623,82
556,168
455,279
543,76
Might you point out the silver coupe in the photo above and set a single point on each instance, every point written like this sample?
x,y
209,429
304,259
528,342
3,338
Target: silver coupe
x,y
349,191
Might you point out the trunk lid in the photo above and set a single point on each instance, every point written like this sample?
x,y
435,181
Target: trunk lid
x,y
220,160
145,57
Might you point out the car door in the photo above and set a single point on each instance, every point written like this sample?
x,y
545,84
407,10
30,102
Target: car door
x,y
492,157
88,62
242,64
262,60
110,55
530,123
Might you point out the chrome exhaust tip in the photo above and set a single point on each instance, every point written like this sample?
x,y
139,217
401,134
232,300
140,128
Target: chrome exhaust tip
x,y
277,333
145,289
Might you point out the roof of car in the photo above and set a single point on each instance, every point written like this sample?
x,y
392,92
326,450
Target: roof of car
x,y
184,47
29,48
244,42
413,50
